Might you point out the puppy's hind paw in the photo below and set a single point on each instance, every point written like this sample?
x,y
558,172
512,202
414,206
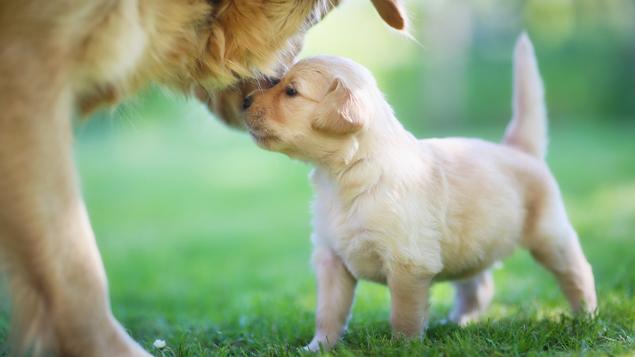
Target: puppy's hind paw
x,y
463,319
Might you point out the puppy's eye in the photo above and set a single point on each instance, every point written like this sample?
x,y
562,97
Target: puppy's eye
x,y
291,92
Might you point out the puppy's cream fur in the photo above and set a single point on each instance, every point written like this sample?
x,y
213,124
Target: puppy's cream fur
x,y
60,58
406,212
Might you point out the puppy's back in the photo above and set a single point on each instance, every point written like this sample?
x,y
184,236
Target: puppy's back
x,y
487,192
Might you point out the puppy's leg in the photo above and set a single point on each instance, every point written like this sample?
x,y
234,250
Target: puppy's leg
x,y
409,303
336,287
472,297
556,246
59,288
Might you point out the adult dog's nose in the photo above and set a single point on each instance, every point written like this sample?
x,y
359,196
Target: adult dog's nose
x,y
247,102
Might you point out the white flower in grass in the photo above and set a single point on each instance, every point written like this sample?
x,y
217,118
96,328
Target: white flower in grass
x,y
160,344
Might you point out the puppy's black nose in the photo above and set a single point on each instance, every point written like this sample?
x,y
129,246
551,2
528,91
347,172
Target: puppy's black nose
x,y
247,102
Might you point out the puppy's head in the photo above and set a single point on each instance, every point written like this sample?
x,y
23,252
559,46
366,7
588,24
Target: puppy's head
x,y
256,38
315,111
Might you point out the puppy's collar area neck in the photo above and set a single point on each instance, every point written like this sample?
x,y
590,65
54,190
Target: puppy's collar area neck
x,y
351,166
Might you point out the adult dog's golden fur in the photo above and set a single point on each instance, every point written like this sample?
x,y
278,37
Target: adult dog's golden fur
x,y
61,58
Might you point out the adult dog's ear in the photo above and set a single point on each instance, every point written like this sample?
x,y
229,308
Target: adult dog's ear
x,y
340,112
392,12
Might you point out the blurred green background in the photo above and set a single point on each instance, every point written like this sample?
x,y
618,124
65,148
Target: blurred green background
x,y
205,237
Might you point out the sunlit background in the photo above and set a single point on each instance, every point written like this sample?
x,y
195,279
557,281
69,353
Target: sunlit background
x,y
206,236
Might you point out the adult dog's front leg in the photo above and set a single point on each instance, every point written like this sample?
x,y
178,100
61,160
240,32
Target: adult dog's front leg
x,y
409,303
336,287
57,281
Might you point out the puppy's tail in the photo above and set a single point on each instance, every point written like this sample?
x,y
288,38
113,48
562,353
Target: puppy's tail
x,y
527,130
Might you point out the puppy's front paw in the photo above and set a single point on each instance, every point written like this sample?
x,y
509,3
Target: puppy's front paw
x,y
318,344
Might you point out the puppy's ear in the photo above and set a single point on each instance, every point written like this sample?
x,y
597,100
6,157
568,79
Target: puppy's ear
x,y
340,112
392,12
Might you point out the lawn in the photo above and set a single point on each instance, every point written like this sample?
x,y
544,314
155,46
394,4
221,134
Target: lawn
x,y
205,240
205,237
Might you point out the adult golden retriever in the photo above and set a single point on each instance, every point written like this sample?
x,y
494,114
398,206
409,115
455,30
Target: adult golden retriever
x,y
61,58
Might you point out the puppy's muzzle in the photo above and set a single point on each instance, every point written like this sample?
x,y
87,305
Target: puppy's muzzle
x,y
262,85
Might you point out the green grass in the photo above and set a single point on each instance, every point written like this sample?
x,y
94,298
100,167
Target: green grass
x,y
206,242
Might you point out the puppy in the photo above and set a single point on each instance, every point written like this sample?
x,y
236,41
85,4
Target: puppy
x,y
405,212
64,58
